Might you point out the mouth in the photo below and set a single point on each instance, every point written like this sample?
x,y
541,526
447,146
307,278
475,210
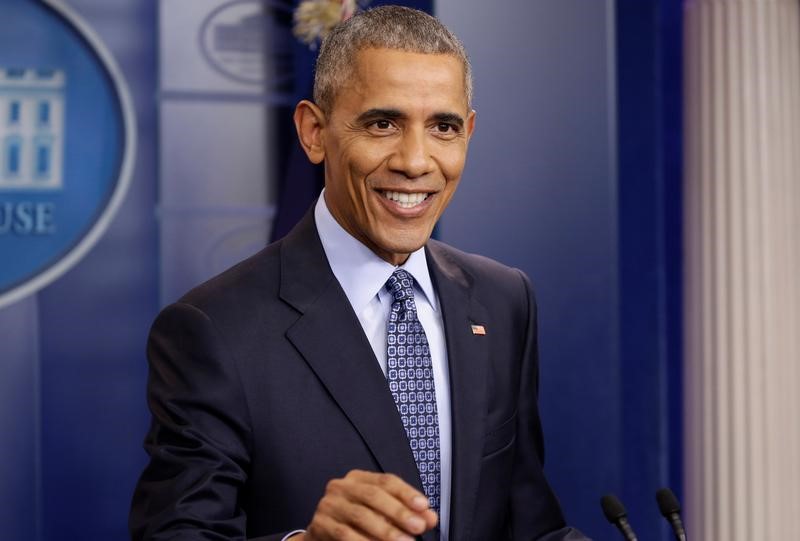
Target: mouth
x,y
406,200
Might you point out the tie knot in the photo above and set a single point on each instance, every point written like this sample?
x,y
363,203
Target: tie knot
x,y
401,285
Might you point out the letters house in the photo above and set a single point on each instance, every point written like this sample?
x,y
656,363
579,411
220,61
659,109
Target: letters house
x,y
31,129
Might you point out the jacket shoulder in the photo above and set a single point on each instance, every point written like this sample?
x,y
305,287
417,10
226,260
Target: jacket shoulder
x,y
479,268
251,280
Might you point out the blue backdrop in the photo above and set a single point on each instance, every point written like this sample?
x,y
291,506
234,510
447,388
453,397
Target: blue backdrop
x,y
576,154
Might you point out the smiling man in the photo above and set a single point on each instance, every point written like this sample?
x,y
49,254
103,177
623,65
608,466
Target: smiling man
x,y
357,380
394,143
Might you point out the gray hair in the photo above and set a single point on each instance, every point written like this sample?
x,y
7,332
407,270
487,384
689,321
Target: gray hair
x,y
384,27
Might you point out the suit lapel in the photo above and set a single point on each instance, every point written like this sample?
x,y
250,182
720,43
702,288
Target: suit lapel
x,y
468,359
329,337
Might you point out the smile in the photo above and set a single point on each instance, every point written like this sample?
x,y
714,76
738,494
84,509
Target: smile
x,y
406,200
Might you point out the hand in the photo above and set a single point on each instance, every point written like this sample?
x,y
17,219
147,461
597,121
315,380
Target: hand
x,y
367,506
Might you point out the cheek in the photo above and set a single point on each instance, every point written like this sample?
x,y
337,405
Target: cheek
x,y
364,156
365,163
452,161
452,174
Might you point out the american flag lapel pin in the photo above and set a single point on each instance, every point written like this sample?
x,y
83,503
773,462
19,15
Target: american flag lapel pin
x,y
478,329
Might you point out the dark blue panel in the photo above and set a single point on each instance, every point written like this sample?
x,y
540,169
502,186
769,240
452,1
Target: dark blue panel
x,y
649,113
671,84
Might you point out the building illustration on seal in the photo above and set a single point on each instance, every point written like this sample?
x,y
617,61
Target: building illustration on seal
x,y
31,128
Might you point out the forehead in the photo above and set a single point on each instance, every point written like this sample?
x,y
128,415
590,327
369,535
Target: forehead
x,y
400,76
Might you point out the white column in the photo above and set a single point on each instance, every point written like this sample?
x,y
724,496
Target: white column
x,y
742,269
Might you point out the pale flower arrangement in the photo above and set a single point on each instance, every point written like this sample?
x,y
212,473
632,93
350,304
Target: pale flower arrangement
x,y
314,19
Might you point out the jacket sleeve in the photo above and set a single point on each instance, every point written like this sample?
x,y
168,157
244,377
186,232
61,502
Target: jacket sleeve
x,y
199,438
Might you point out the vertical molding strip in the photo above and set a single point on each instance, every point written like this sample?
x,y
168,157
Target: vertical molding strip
x,y
21,420
742,305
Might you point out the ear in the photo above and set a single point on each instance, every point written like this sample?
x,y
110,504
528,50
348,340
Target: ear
x,y
309,121
471,123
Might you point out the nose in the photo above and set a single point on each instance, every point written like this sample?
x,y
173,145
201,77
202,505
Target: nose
x,y
412,156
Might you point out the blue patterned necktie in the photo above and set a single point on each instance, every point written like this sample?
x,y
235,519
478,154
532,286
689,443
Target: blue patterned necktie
x,y
410,376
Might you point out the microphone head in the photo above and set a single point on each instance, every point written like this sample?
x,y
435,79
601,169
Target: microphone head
x,y
667,502
612,508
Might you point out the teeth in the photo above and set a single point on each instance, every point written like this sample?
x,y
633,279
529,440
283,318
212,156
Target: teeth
x,y
406,200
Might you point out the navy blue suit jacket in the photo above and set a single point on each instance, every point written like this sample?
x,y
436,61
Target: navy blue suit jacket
x,y
263,387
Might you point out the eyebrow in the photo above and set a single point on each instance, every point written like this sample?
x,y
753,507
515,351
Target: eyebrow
x,y
371,115
377,114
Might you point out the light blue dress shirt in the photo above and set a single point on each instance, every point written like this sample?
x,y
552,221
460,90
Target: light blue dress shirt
x,y
362,275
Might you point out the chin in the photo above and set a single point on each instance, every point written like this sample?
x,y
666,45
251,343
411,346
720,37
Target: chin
x,y
400,241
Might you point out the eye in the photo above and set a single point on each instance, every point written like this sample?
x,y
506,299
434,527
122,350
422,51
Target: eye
x,y
446,130
381,126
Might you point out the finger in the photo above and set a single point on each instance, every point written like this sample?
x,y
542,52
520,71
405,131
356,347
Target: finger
x,y
366,521
431,519
367,493
410,496
324,527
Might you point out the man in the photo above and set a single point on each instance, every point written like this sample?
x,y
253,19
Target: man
x,y
357,380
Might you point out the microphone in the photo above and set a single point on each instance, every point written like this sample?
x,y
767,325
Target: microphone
x,y
616,515
671,509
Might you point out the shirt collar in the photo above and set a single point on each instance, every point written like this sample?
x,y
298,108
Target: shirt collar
x,y
359,271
